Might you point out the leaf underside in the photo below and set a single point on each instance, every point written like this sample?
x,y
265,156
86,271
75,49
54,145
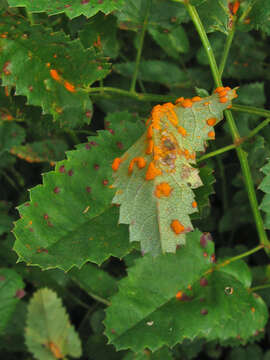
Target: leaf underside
x,y
155,178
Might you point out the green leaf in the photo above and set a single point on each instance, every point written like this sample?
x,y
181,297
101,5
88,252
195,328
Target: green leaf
x,y
11,134
250,352
265,187
146,354
193,298
72,8
69,219
48,332
155,177
53,75
154,71
100,31
173,42
6,220
162,13
214,15
95,281
10,285
40,151
259,15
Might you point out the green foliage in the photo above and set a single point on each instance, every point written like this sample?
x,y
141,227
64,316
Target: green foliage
x,y
72,9
55,83
11,288
49,334
78,82
154,313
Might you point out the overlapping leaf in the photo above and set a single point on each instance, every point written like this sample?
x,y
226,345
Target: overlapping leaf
x,y
72,8
169,298
69,218
39,151
52,75
154,178
10,284
49,334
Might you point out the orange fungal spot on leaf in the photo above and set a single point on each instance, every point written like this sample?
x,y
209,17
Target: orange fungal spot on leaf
x,y
223,93
182,130
152,171
187,103
54,74
196,98
116,163
150,131
70,87
194,204
211,134
150,147
177,227
163,189
211,121
235,7
223,99
179,295
206,103
177,101
218,89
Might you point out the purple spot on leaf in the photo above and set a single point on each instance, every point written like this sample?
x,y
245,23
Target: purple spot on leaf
x,y
205,238
88,146
203,282
93,143
62,169
88,189
96,166
2,278
204,311
105,182
46,216
70,172
20,293
56,190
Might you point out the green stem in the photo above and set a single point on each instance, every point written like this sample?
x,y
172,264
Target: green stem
x,y
259,287
258,128
225,196
251,110
133,95
242,156
204,39
240,256
139,52
217,152
226,50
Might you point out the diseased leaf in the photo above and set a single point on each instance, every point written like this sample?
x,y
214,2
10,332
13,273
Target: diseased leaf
x,y
69,219
146,354
72,8
11,134
215,15
51,76
155,178
11,285
49,334
169,298
40,151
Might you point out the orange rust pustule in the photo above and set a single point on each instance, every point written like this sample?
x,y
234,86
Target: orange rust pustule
x,y
140,161
223,99
70,87
150,132
54,74
196,98
211,134
179,295
211,121
194,204
235,7
177,227
150,147
116,163
169,110
163,189
182,130
187,103
177,101
152,171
